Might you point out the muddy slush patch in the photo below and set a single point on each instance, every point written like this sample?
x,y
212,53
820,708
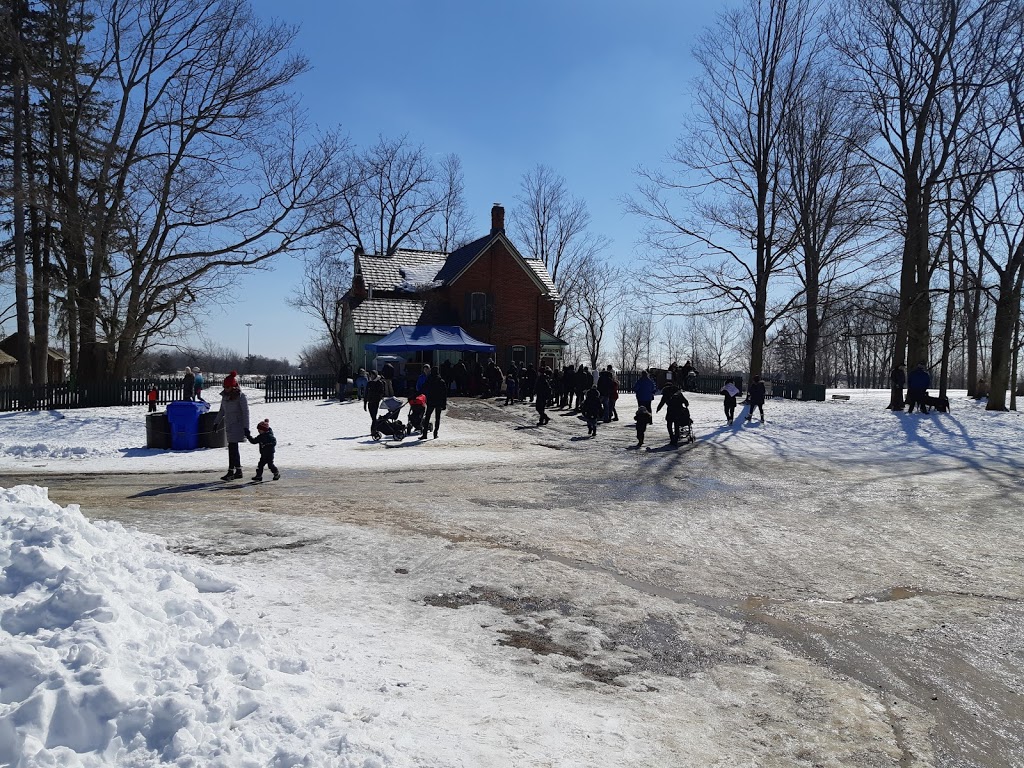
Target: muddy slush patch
x,y
656,645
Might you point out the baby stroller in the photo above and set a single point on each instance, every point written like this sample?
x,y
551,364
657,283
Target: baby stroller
x,y
680,425
686,430
417,407
389,423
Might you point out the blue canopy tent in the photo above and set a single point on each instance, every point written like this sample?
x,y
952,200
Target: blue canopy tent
x,y
416,338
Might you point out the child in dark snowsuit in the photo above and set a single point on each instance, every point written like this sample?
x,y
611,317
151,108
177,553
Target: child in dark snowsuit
x,y
267,443
643,418
592,410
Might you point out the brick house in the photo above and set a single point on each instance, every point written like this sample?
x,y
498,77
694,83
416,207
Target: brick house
x,y
486,286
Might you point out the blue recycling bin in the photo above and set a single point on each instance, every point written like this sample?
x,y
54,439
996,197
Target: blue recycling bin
x,y
183,416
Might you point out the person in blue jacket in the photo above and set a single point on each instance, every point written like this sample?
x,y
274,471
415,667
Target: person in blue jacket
x,y
918,382
644,389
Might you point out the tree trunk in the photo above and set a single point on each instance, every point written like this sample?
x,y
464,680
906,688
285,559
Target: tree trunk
x,y
947,328
813,327
1007,311
972,309
40,239
1016,357
18,107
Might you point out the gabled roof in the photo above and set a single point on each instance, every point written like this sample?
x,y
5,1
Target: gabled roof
x,y
6,359
413,271
406,270
459,261
380,316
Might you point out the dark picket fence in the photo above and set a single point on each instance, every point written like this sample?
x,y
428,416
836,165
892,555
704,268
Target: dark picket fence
x,y
316,387
106,393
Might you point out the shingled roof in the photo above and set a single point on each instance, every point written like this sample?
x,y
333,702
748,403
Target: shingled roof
x,y
380,316
406,270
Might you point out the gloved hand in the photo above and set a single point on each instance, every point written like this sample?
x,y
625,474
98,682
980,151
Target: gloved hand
x,y
248,433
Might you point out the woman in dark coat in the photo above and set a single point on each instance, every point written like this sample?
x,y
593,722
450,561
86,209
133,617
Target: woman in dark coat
x,y
375,390
437,401
188,385
756,395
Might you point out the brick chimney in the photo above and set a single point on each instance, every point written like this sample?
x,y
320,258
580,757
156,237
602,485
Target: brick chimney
x,y
497,219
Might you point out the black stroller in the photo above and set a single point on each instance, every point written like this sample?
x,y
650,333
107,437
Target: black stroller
x,y
389,423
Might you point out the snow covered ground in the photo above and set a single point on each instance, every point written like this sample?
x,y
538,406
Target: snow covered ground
x,y
332,434
498,620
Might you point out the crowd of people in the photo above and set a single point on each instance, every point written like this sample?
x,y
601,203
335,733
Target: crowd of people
x,y
593,396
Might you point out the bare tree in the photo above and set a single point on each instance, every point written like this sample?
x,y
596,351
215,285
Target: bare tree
x,y
198,163
551,225
719,343
631,339
831,199
595,306
452,225
729,242
919,66
326,278
396,196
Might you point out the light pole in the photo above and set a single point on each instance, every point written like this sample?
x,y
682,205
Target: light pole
x,y
247,353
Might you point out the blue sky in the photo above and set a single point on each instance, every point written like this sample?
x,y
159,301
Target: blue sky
x,y
590,89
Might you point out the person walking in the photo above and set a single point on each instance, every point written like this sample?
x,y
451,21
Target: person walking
x,y
542,390
268,443
605,384
437,401
592,410
511,389
421,380
234,415
198,384
731,392
375,391
755,397
643,418
188,385
898,377
387,375
583,382
677,411
644,389
151,396
918,382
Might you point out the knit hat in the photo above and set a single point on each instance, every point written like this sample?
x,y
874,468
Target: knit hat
x,y
263,426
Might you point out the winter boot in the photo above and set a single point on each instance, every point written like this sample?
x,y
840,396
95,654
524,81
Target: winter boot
x,y
238,473
277,475
230,475
257,478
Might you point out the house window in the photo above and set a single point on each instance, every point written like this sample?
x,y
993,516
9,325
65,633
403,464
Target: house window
x,y
519,355
478,308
